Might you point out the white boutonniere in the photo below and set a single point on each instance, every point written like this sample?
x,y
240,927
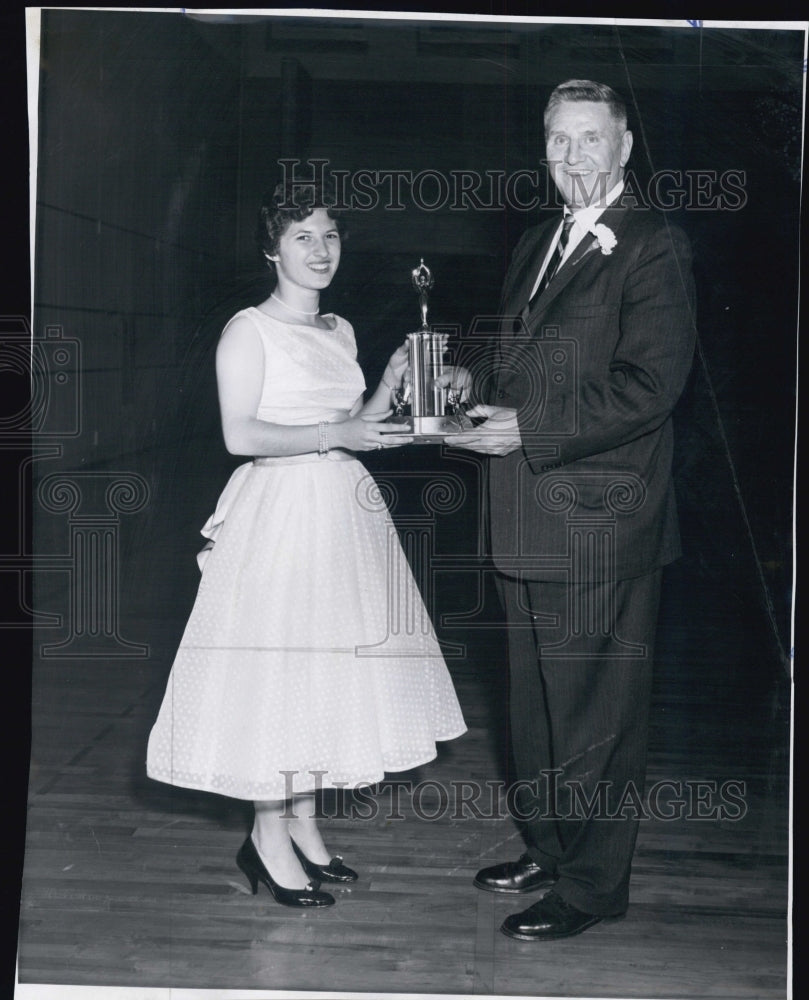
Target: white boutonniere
x,y
605,238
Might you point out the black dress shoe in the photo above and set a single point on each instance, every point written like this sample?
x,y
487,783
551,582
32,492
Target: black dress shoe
x,y
514,877
548,919
253,867
334,871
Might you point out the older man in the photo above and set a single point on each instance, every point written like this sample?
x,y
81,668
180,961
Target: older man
x,y
596,342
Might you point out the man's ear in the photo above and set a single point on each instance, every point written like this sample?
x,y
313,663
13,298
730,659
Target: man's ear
x,y
626,147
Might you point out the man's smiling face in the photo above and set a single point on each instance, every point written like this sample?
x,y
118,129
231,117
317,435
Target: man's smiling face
x,y
586,150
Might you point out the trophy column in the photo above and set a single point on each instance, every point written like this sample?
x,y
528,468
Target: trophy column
x,y
432,413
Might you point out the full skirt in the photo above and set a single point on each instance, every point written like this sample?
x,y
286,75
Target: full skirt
x,y
309,659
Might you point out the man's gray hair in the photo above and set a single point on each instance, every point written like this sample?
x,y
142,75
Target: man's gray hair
x,y
587,90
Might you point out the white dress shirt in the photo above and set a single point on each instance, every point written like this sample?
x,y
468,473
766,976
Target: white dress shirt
x,y
584,221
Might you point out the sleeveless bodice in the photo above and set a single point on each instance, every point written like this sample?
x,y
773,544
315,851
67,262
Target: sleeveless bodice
x,y
309,374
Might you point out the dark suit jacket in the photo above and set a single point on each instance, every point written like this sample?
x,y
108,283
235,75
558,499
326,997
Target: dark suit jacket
x,y
594,372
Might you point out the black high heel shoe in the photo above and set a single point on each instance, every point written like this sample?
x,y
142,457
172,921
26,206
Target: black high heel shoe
x,y
334,871
253,867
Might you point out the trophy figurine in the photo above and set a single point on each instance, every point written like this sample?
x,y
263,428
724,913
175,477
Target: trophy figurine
x,y
434,410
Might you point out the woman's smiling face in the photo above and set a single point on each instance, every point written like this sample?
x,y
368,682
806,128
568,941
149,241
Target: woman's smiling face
x,y
308,252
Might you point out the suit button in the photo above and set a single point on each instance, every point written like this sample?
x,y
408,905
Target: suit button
x,y
501,394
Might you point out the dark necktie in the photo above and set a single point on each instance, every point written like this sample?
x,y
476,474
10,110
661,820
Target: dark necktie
x,y
556,259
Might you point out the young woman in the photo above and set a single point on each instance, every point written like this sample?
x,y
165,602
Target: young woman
x,y
293,673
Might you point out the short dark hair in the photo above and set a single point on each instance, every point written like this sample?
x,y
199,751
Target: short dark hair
x,y
587,90
292,202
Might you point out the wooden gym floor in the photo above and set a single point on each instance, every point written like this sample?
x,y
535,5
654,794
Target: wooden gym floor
x,y
130,882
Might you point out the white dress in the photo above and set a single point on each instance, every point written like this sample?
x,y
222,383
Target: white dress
x,y
309,659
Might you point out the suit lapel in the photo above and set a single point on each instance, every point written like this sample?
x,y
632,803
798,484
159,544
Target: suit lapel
x,y
516,295
585,253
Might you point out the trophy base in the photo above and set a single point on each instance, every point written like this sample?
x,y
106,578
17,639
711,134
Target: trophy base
x,y
433,430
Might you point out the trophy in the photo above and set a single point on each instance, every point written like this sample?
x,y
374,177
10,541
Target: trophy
x,y
433,411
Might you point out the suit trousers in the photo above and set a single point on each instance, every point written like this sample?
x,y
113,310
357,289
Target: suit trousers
x,y
580,662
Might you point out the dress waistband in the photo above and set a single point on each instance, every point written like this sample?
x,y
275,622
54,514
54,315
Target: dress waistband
x,y
334,455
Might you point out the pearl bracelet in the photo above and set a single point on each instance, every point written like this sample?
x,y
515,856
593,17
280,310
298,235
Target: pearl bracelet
x,y
322,439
